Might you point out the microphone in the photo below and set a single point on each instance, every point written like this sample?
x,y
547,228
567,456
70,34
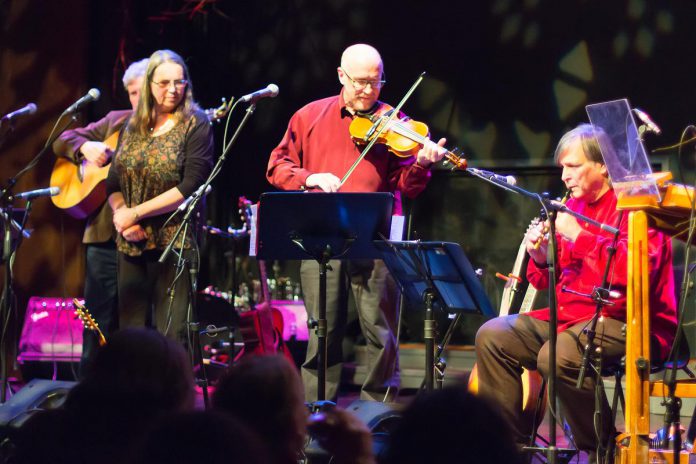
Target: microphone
x,y
510,180
270,91
196,194
28,109
31,194
92,95
212,330
647,121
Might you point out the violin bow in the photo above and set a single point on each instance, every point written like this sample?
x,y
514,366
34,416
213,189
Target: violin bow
x,y
394,112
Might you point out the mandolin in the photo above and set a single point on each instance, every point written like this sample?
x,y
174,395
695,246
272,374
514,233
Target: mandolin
x,y
532,381
82,185
88,321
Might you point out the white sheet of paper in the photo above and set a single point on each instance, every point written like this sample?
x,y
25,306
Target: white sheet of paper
x,y
397,228
252,231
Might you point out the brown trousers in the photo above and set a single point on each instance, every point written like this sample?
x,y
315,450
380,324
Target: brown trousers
x,y
505,345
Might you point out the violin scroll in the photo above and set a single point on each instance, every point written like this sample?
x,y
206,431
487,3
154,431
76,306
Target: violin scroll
x,y
455,159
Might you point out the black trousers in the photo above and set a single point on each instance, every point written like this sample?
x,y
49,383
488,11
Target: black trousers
x,y
146,296
101,294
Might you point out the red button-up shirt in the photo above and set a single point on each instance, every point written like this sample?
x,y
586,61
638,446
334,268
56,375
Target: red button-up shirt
x,y
318,141
581,267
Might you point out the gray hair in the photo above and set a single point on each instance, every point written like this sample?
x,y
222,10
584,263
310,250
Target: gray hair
x,y
135,70
588,135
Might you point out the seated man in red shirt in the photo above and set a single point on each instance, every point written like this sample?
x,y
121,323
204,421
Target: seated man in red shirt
x,y
506,345
316,151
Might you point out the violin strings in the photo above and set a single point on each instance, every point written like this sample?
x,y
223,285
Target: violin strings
x,y
407,132
401,129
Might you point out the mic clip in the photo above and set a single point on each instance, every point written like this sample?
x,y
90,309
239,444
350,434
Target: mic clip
x,y
598,295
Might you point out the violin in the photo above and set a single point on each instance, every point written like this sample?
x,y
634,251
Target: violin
x,y
403,137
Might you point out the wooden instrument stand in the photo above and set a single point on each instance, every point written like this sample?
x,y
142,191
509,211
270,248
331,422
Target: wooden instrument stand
x,y
671,216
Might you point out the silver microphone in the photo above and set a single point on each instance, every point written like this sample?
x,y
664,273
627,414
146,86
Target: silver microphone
x,y
27,109
270,91
195,194
31,194
647,121
510,180
92,95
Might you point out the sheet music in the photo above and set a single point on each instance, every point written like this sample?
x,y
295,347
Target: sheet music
x,y
397,228
252,229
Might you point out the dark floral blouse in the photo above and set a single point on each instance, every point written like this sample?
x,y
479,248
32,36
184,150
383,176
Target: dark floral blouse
x,y
145,167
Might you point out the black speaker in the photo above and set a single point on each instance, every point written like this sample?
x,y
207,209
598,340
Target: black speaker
x,y
37,395
380,418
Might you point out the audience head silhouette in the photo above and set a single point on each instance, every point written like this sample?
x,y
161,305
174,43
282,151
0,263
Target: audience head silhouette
x,y
138,377
451,425
202,436
265,392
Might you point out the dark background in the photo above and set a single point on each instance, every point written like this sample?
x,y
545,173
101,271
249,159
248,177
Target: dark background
x,y
504,80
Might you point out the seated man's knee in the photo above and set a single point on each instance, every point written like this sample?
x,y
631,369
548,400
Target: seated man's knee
x,y
490,333
565,359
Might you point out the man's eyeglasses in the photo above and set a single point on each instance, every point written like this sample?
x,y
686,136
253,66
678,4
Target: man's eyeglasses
x,y
359,84
179,84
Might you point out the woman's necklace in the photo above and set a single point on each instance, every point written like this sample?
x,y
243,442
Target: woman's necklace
x,y
166,126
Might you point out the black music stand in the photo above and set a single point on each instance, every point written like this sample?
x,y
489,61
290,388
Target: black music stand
x,y
322,227
439,275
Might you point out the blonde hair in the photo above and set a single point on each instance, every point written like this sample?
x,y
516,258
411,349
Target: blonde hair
x,y
144,116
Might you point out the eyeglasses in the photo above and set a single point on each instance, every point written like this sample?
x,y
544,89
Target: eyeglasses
x,y
179,84
359,84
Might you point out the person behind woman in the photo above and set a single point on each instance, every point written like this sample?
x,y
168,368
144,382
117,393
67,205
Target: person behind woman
x,y
87,145
165,154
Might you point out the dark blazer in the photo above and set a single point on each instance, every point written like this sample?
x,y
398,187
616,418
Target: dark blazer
x,y
99,227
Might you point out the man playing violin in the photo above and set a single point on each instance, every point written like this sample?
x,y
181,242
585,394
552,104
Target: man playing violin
x,y
506,345
315,152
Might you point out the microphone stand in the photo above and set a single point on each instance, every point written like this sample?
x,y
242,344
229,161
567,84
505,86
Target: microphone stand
x,y
193,269
600,296
592,354
8,251
551,207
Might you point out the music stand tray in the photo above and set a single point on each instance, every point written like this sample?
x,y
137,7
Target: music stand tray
x,y
435,274
322,227
456,284
321,219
